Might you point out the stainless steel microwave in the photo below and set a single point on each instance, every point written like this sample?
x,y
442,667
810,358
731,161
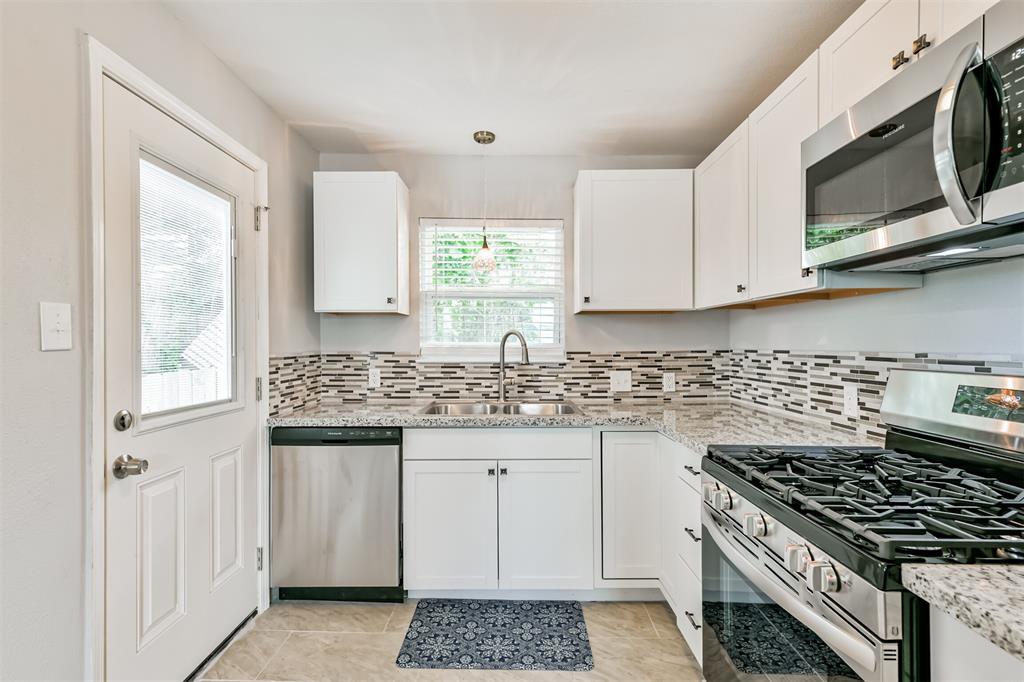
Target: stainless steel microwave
x,y
927,172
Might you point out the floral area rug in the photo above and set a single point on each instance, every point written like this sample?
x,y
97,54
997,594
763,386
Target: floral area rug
x,y
497,635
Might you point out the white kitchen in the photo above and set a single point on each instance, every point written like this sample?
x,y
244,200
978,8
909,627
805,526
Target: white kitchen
x,y
512,340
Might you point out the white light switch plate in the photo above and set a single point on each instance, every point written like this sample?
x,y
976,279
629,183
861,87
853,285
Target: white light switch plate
x,y
622,380
668,382
851,408
54,326
374,380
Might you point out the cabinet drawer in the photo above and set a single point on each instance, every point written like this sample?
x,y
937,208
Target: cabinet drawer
x,y
687,528
688,618
688,466
489,443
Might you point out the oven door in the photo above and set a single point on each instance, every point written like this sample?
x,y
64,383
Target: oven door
x,y
760,619
904,167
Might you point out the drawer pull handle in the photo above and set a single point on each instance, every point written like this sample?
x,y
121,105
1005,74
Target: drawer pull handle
x,y
692,621
689,531
692,470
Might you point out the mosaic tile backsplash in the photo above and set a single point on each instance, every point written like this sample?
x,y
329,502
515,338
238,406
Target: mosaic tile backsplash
x,y
804,383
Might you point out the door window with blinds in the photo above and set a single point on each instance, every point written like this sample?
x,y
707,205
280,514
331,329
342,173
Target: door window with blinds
x,y
185,279
465,310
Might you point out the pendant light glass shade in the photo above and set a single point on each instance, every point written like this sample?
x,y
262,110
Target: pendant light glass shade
x,y
483,261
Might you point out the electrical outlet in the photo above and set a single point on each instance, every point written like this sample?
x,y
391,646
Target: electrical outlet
x,y
374,378
668,382
54,326
851,408
622,380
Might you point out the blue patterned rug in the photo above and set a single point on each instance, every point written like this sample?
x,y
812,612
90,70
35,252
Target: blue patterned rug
x,y
497,635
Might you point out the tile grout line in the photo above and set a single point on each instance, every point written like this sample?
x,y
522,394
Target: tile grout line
x,y
276,652
390,616
657,633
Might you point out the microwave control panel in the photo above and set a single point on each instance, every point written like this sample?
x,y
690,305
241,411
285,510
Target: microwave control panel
x,y
1007,67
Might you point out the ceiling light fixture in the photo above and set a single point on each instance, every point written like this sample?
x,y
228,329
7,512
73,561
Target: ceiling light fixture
x,y
484,261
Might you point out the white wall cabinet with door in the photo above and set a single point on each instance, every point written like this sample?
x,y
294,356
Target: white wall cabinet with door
x,y
633,240
721,223
629,505
879,39
475,522
360,242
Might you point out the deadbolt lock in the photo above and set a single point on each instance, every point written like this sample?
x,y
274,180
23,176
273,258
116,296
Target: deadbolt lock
x,y
123,420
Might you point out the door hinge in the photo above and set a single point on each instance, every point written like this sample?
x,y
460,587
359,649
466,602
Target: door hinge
x,y
259,558
259,389
259,220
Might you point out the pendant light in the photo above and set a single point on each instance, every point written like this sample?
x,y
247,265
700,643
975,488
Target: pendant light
x,y
484,262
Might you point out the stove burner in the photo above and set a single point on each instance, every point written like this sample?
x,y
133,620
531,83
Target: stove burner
x,y
895,504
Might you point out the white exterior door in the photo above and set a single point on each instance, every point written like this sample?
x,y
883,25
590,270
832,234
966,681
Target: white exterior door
x,y
450,513
546,524
179,299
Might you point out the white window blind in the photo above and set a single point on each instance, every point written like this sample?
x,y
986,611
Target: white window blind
x,y
464,313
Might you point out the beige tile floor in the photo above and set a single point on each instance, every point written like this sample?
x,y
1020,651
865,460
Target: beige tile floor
x,y
326,641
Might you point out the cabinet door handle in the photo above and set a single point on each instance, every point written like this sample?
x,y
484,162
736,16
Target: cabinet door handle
x,y
689,531
490,472
692,621
807,272
921,43
692,470
899,59
740,288
586,299
390,300
504,471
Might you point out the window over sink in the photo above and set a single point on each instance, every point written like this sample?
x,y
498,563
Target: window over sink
x,y
464,310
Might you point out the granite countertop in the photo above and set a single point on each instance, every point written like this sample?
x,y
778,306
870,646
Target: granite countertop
x,y
694,424
987,598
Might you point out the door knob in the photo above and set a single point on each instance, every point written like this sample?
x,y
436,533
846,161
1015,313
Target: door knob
x,y
126,465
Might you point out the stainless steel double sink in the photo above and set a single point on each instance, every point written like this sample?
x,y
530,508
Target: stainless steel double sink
x,y
461,408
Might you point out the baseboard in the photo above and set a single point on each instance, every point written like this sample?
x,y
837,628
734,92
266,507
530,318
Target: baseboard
x,y
604,594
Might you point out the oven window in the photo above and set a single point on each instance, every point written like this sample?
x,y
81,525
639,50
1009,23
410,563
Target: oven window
x,y
747,636
887,175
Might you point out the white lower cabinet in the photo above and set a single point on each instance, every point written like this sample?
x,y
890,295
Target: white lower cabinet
x,y
545,524
498,524
450,525
680,535
629,505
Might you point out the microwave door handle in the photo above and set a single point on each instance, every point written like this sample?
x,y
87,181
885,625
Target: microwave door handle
x,y
854,649
942,136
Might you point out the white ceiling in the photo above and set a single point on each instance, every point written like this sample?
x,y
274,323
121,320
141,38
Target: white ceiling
x,y
547,77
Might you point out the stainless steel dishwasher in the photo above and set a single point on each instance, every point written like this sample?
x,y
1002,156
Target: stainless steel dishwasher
x,y
335,513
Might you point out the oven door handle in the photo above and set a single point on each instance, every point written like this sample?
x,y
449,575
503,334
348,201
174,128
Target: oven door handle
x,y
942,136
854,649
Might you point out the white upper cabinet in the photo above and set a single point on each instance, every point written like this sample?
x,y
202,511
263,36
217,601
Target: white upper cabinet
x,y
858,57
633,240
777,127
942,18
865,51
360,242
720,189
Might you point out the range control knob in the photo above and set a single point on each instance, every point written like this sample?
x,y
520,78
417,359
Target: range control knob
x,y
755,525
797,557
722,500
822,576
709,492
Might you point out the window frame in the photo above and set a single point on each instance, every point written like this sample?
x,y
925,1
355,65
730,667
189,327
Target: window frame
x,y
488,353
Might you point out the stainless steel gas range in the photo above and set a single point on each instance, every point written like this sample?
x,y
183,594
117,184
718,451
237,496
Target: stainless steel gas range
x,y
803,545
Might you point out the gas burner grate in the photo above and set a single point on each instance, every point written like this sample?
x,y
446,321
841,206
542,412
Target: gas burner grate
x,y
895,504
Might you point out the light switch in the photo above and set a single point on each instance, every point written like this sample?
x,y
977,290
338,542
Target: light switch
x,y
54,326
622,380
